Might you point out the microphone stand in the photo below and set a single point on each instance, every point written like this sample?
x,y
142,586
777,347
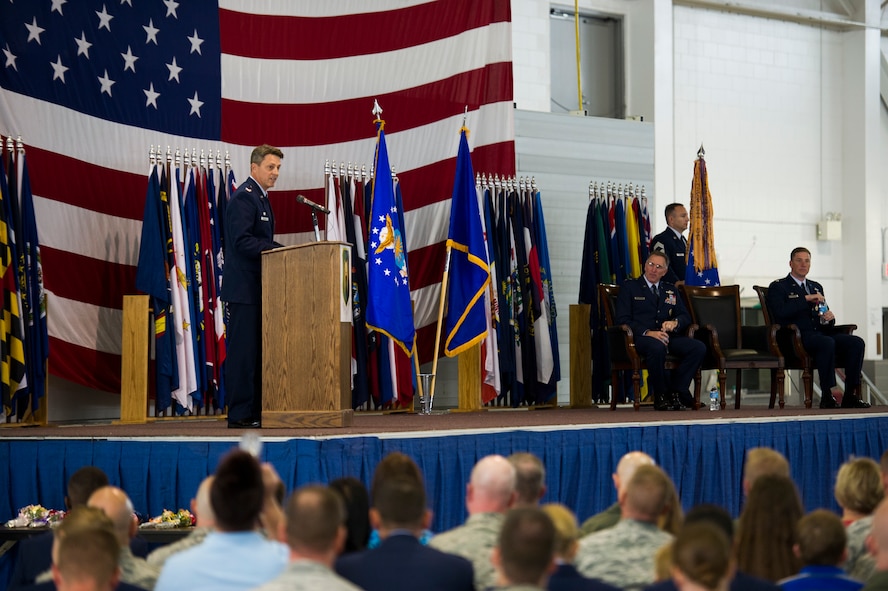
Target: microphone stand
x,y
314,220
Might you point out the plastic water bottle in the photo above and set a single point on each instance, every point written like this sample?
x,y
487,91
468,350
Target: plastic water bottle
x,y
713,399
821,310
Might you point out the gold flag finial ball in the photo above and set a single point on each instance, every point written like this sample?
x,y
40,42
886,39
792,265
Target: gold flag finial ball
x,y
701,152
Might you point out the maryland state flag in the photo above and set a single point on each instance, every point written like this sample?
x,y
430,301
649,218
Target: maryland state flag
x,y
389,310
12,327
702,264
469,272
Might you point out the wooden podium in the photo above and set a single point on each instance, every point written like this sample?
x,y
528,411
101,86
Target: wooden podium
x,y
306,342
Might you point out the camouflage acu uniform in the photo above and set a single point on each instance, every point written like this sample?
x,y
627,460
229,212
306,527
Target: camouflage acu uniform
x,y
133,571
307,575
601,521
623,555
159,556
860,563
474,540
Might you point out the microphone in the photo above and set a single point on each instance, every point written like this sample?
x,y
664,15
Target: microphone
x,y
302,199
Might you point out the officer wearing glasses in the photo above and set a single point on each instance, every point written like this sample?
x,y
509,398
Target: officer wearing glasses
x,y
657,316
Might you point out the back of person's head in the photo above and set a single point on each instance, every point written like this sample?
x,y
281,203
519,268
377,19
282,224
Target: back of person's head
x,y
627,466
526,547
83,483
701,553
712,514
400,503
530,478
357,506
87,559
761,461
315,520
395,465
647,493
672,518
118,507
859,485
82,518
877,541
767,531
237,492
492,484
566,530
821,539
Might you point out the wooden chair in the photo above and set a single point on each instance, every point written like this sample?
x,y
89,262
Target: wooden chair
x,y
623,356
789,341
729,345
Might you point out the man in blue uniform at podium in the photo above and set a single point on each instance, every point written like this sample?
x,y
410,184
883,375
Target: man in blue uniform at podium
x,y
249,230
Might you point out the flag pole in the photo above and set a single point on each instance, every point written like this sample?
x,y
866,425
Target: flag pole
x,y
440,321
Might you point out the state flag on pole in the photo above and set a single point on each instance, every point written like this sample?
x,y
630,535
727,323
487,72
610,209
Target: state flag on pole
x,y
702,266
389,310
469,271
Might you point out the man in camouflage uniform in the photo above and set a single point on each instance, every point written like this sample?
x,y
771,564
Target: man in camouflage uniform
x,y
525,552
206,521
625,469
877,542
623,555
489,494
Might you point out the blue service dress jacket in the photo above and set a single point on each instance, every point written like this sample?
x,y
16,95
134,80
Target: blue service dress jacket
x,y
673,246
787,303
641,310
249,230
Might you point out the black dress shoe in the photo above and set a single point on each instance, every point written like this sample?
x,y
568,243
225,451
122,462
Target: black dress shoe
x,y
687,400
676,402
244,424
851,401
827,401
662,402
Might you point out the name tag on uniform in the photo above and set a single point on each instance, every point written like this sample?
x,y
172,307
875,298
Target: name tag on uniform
x,y
639,298
263,218
680,254
793,295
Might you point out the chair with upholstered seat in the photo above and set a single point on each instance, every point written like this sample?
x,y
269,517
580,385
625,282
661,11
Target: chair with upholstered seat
x,y
731,345
623,356
789,341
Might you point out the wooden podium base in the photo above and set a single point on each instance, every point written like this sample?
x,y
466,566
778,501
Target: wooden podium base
x,y
306,419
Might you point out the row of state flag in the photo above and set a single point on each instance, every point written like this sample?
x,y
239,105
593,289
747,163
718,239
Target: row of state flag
x,y
24,341
180,268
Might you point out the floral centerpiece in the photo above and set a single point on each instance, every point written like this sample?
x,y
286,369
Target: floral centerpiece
x,y
36,516
180,518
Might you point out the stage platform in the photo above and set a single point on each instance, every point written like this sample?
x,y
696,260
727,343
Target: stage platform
x,y
161,463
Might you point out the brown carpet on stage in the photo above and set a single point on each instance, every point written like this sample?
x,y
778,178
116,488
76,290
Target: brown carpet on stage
x,y
374,423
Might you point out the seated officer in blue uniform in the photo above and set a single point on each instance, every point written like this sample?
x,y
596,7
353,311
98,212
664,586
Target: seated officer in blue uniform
x,y
795,299
656,314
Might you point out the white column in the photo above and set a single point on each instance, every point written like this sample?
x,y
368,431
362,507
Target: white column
x,y
861,182
664,110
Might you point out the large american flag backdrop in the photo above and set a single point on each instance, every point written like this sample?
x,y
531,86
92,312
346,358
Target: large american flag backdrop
x,y
91,85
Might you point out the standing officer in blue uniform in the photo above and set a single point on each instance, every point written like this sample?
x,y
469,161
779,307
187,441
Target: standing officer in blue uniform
x,y
654,311
249,230
795,299
671,242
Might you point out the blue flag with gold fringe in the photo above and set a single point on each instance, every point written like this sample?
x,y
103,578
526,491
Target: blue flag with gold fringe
x,y
469,270
389,310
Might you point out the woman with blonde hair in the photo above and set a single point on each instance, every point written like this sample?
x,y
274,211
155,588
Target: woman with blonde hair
x,y
858,491
566,577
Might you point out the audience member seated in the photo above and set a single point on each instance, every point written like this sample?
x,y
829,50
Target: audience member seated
x,y
701,558
623,555
673,516
530,479
489,494
877,543
86,560
400,515
625,469
767,531
566,576
858,491
35,553
272,515
235,556
116,505
315,532
357,510
524,554
761,461
719,518
821,548
394,465
204,520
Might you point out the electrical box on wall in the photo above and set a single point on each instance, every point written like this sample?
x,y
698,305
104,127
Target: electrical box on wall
x,y
829,230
